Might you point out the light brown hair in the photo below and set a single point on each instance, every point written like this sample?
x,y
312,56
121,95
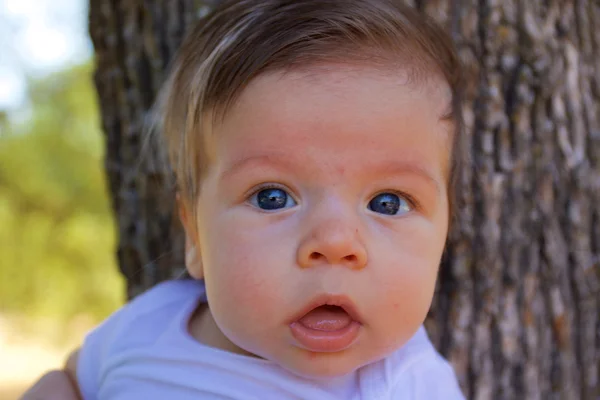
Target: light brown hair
x,y
242,39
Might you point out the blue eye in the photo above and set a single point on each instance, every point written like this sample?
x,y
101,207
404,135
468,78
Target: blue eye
x,y
272,199
389,204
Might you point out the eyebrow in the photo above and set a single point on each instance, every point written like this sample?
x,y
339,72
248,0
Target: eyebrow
x,y
402,168
262,159
392,168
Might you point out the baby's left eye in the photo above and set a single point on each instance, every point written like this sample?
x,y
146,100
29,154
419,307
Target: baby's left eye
x,y
389,204
271,199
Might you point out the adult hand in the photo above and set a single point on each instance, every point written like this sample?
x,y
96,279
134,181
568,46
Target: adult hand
x,y
57,385
54,385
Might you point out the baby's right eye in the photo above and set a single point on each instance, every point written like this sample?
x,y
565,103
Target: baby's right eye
x,y
270,199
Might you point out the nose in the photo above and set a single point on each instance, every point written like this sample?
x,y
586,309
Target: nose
x,y
333,242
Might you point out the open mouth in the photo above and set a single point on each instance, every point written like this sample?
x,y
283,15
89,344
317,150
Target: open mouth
x,y
328,324
326,318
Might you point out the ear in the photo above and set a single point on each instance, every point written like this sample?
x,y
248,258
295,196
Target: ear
x,y
193,259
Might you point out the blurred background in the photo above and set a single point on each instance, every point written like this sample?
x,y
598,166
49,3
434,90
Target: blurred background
x,y
58,272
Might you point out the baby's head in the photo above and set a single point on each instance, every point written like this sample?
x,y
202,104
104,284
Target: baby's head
x,y
314,144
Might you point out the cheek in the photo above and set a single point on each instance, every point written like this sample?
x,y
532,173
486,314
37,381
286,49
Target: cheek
x,y
409,282
244,266
409,266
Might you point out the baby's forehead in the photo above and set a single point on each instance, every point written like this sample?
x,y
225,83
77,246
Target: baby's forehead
x,y
342,78
353,106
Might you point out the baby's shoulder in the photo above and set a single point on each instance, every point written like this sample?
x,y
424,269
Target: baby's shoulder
x,y
418,371
166,294
143,320
139,324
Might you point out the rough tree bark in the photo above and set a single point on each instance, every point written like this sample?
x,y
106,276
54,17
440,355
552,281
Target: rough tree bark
x,y
517,304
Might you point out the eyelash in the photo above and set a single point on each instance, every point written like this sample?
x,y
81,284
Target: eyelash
x,y
265,186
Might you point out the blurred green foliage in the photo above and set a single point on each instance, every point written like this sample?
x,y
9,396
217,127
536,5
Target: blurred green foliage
x,y
57,231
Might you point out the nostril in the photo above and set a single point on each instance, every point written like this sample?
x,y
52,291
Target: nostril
x,y
351,258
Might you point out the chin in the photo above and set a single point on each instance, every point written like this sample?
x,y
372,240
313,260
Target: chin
x,y
322,365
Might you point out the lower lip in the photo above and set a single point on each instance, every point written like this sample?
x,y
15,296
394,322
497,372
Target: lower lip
x,y
325,341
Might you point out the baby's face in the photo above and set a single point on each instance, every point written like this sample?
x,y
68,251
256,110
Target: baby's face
x,y
323,218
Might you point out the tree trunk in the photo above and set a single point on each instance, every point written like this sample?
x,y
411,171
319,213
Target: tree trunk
x,y
518,300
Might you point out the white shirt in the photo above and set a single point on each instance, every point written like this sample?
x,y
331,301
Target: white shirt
x,y
144,351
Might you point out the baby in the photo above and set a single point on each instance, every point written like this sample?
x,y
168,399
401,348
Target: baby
x,y
314,145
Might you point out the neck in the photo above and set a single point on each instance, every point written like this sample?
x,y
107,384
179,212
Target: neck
x,y
204,329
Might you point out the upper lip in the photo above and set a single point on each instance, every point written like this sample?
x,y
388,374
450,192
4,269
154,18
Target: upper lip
x,y
341,301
